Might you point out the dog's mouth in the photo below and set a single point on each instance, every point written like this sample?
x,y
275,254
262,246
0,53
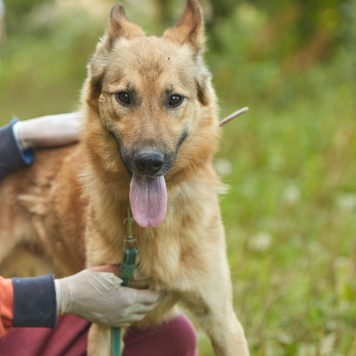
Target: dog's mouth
x,y
148,192
148,199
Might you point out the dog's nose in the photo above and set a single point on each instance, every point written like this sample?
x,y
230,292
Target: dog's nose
x,y
149,162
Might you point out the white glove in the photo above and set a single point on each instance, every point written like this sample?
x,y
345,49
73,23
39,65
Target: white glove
x,y
46,131
98,296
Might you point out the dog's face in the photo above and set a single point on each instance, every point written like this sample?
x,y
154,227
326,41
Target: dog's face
x,y
146,103
152,95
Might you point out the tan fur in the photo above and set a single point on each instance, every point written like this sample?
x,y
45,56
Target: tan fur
x,y
78,196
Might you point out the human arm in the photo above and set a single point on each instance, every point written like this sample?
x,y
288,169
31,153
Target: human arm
x,y
11,156
94,294
18,138
6,305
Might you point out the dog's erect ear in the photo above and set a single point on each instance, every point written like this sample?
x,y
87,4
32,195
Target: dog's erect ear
x,y
120,26
189,28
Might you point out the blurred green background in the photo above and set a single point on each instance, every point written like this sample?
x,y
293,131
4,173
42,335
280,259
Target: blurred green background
x,y
290,163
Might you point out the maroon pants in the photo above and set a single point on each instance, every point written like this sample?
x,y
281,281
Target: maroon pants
x,y
174,338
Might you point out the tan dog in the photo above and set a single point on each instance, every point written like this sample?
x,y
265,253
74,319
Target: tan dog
x,y
149,137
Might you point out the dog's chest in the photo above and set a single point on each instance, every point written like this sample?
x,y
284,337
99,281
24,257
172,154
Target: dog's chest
x,y
162,259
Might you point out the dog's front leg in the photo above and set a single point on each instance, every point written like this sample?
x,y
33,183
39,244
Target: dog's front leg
x,y
220,323
226,333
99,341
211,301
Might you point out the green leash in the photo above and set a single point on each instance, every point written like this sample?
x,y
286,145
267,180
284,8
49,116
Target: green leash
x,y
127,269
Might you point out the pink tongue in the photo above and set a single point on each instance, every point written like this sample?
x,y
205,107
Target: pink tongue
x,y
148,199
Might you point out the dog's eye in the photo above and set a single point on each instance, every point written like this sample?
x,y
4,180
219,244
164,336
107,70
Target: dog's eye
x,y
123,98
175,100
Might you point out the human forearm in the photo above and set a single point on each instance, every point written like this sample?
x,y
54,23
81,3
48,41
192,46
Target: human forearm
x,y
27,302
94,294
11,156
18,138
34,302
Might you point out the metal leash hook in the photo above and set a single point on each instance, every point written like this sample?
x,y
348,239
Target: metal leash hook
x,y
126,272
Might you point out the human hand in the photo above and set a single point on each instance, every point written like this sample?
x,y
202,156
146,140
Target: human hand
x,y
47,131
96,294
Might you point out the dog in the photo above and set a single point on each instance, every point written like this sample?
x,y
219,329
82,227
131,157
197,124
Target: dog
x,y
149,136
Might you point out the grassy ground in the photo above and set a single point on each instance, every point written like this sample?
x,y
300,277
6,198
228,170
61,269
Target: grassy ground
x,y
290,213
290,219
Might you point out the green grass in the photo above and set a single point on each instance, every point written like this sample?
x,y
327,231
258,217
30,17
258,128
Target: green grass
x,y
290,219
290,163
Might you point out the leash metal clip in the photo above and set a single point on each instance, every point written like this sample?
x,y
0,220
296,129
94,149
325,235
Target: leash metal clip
x,y
130,244
130,240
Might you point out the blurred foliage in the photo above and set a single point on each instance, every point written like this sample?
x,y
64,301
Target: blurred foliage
x,y
290,213
17,14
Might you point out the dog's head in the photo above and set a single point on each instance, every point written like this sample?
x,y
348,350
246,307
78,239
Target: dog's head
x,y
150,100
